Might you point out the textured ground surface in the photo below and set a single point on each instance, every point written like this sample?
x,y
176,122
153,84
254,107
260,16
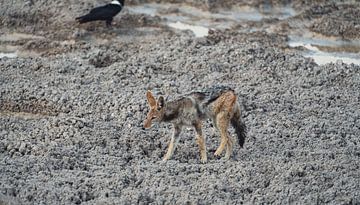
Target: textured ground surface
x,y
72,108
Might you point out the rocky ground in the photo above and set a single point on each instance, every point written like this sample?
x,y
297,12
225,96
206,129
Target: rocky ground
x,y
73,103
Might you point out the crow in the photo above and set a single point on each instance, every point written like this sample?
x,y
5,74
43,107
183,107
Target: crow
x,y
103,13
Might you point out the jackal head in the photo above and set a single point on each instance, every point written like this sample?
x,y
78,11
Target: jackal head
x,y
156,111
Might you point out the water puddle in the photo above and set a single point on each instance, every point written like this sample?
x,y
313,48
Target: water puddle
x,y
7,51
8,55
199,31
183,17
17,37
328,50
324,58
246,13
10,51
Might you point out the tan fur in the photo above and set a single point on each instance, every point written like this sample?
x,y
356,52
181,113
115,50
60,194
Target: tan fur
x,y
223,109
218,104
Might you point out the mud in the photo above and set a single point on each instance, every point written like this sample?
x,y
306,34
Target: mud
x,y
72,105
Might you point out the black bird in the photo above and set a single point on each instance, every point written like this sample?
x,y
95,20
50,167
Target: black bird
x,y
103,13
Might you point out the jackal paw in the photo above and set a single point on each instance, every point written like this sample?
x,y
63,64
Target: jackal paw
x,y
217,153
203,160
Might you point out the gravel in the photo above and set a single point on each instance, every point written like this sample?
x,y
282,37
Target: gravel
x,y
71,120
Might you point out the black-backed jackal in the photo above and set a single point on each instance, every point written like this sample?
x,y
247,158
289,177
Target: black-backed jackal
x,y
220,104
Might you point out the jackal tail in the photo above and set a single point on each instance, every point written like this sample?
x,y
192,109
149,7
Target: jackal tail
x,y
239,126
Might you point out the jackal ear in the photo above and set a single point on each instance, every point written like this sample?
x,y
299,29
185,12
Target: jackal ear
x,y
160,102
151,100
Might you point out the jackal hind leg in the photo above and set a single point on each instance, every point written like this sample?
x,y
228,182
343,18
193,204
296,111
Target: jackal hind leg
x,y
173,142
222,121
229,147
201,141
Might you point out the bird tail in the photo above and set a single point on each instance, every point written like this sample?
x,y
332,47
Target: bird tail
x,y
82,19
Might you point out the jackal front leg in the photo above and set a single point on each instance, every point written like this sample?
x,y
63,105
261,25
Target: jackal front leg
x,y
172,145
201,140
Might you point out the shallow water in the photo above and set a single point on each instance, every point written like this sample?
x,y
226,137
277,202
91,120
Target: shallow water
x,y
326,44
8,55
199,31
8,51
254,14
220,20
17,37
328,50
324,58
